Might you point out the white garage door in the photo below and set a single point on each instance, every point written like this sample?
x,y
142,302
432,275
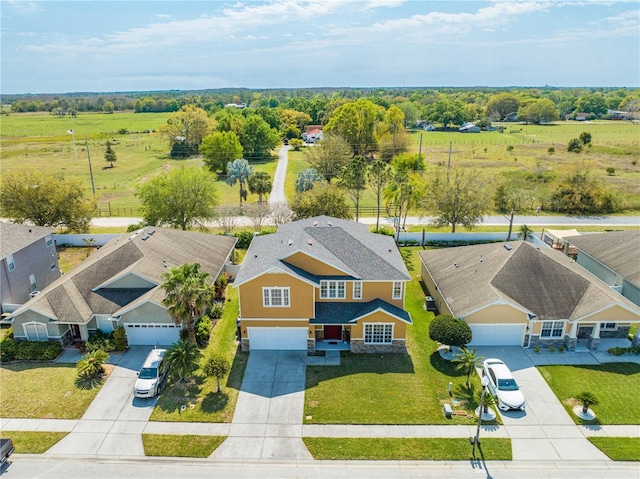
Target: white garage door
x,y
151,334
278,338
497,334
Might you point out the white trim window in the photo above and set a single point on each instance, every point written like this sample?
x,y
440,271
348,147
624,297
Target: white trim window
x,y
552,329
378,333
275,297
35,331
357,290
11,264
33,282
397,290
48,240
333,290
608,326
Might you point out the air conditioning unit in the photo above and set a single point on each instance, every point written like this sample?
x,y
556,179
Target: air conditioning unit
x,y
33,294
430,304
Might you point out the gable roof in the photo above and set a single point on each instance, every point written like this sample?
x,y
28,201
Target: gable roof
x,y
345,245
148,253
344,312
543,282
14,237
617,250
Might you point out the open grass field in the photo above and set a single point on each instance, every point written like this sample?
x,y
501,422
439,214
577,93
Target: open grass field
x,y
614,384
40,141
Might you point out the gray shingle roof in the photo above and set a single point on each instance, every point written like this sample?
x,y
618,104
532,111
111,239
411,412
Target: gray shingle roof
x,y
72,298
542,281
617,250
344,312
14,237
342,244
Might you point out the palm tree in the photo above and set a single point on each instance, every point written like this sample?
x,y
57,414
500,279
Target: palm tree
x,y
188,292
239,171
525,231
90,365
183,358
467,361
260,184
587,398
307,178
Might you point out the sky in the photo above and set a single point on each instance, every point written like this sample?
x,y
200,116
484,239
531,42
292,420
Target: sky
x,y
96,46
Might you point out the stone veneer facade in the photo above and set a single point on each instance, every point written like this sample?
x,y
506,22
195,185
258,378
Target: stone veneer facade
x,y
397,346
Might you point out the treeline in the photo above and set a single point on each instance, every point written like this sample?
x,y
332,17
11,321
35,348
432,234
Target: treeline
x,y
314,101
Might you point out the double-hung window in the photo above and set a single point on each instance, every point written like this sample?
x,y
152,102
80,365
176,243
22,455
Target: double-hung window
x,y
275,297
608,326
397,290
357,290
552,329
333,290
378,333
11,264
48,240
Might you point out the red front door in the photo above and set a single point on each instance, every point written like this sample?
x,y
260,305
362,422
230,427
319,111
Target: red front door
x,y
333,332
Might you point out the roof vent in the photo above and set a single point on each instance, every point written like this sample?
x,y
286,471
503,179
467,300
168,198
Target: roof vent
x,y
315,223
151,231
508,247
329,223
455,265
290,242
33,294
309,242
145,237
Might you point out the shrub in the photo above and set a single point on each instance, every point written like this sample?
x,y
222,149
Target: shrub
x,y
611,171
244,239
12,350
216,310
585,137
120,339
509,147
448,330
101,340
552,348
184,335
203,330
386,231
575,145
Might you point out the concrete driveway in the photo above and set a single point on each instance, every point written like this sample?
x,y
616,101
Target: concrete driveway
x,y
544,431
113,422
267,423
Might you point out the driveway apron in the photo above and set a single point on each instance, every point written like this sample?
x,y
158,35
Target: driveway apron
x,y
267,423
113,423
544,431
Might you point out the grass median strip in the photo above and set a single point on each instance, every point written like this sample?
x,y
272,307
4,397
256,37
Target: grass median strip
x,y
180,445
33,442
405,449
618,448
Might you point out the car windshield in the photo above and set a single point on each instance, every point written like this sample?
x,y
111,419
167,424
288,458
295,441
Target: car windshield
x,y
507,385
148,373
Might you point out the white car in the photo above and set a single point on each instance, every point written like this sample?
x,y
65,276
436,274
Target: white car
x,y
502,384
152,375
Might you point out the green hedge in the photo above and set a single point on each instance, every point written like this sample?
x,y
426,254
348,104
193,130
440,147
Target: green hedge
x,y
12,350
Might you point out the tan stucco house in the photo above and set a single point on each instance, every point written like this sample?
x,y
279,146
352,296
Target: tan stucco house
x,y
519,294
323,283
120,285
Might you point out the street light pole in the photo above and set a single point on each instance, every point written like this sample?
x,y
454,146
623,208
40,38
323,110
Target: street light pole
x,y
475,441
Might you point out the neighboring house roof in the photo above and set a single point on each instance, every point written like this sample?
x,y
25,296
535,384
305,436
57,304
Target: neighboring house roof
x,y
14,237
345,312
617,250
147,253
543,282
345,245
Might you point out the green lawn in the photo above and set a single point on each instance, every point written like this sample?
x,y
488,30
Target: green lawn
x,y
616,386
202,402
27,442
180,446
42,390
405,449
391,388
618,448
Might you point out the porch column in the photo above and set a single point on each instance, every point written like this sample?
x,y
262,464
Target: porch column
x,y
572,340
636,339
594,339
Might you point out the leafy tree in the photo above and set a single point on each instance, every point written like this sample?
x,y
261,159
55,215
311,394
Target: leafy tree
x,y
90,365
538,111
257,137
377,176
402,190
257,214
508,197
296,143
392,130
182,198
446,329
260,184
467,362
410,111
229,119
220,148
585,137
185,130
355,122
354,179
329,156
217,367
581,193
322,199
188,293
447,112
501,105
46,200
307,179
458,198
587,398
594,103
293,118
239,171
575,145
108,107
183,359
110,155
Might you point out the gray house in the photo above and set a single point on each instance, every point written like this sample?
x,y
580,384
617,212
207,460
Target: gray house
x,y
613,257
29,263
120,285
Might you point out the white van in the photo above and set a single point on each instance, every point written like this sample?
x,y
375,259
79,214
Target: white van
x,y
152,376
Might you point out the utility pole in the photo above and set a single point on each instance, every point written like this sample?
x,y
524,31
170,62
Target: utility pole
x,y
73,137
420,153
449,162
93,186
